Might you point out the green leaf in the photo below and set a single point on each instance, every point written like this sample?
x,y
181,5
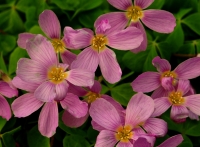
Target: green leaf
x,y
165,50
8,140
122,93
67,4
191,127
186,142
7,43
2,64
157,4
187,49
182,13
2,123
192,21
36,30
92,134
35,139
75,141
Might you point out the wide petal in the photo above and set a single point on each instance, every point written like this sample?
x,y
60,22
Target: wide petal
x,y
46,92
119,4
4,108
143,3
96,126
23,38
77,90
173,141
184,86
167,83
109,66
102,26
61,90
179,113
192,102
193,116
74,106
88,59
96,87
68,57
161,65
106,138
161,105
139,109
146,82
50,24
126,39
7,90
80,77
105,114
142,142
48,119
159,20
159,92
188,69
124,144
25,105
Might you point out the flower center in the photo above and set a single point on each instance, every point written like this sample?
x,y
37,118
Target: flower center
x,y
124,133
99,42
92,96
134,13
56,75
170,74
176,98
58,45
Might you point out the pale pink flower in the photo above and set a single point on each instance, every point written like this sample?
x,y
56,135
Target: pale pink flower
x,y
134,13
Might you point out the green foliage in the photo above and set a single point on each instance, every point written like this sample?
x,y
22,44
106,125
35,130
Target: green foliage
x,y
75,141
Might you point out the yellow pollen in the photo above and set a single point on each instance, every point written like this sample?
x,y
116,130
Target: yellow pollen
x,y
170,74
99,42
58,45
92,96
176,98
123,134
56,75
134,13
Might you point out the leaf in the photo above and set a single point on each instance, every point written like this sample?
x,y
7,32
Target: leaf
x,y
157,4
8,140
36,30
182,13
2,64
7,43
75,141
35,139
191,127
187,49
165,50
92,134
186,142
2,123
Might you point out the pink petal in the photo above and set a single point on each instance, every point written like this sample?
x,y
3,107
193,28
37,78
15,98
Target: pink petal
x,y
149,138
143,44
41,50
146,82
46,92
139,109
25,105
183,86
159,20
102,26
18,83
74,106
167,83
4,108
179,113
61,90
48,119
50,24
143,3
105,114
193,116
67,57
23,38
77,90
88,59
109,66
31,71
159,92
124,144
192,102
73,122
161,65
80,77
120,4
96,126
76,39
7,91
142,142
161,105
173,141
96,87
126,39
155,126
188,69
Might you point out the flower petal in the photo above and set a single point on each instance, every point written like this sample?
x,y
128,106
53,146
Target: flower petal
x,y
96,126
139,109
161,105
25,105
50,24
109,66
105,114
119,4
88,59
159,20
159,92
161,65
48,119
188,69
4,108
167,83
80,77
102,26
96,87
192,102
77,90
126,39
46,92
143,3
61,90
184,86
146,82
173,141
7,90
23,38
68,57
74,106
124,144
142,142
193,116
179,113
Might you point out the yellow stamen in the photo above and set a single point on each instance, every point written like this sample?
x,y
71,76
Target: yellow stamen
x,y
99,42
92,96
58,45
123,134
56,75
170,74
176,98
134,13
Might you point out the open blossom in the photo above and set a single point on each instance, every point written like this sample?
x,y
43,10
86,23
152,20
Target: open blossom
x,y
96,50
165,79
123,132
183,105
157,20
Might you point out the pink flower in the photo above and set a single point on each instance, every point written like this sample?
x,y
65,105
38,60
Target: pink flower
x,y
157,20
165,79
182,105
125,131
97,51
